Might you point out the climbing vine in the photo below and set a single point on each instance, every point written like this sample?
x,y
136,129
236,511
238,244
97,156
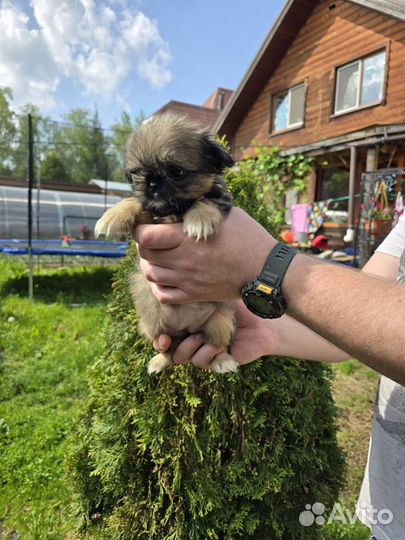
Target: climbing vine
x,y
275,174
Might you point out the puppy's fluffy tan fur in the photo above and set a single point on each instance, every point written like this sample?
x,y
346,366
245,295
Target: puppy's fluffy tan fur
x,y
175,169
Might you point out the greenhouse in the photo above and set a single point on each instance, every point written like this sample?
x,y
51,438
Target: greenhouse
x,y
55,213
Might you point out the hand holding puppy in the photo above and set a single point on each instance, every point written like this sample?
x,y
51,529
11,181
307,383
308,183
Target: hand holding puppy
x,y
183,271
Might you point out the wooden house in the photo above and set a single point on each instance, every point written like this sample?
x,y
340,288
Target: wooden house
x,y
329,82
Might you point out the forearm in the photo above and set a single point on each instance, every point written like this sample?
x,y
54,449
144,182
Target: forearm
x,y
360,314
296,340
363,315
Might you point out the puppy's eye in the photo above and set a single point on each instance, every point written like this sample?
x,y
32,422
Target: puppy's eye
x,y
175,172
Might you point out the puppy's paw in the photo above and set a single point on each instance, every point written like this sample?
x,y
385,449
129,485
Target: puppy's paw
x,y
119,219
202,220
224,363
159,363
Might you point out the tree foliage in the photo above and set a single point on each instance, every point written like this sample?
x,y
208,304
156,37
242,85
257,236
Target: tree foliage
x,y
8,131
192,455
74,150
53,168
120,132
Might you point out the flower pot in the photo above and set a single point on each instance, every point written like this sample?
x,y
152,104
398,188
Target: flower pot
x,y
381,227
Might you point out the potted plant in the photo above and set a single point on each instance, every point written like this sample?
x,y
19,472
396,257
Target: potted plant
x,y
381,219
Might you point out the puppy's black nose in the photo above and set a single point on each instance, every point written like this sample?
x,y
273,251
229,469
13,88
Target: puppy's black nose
x,y
154,182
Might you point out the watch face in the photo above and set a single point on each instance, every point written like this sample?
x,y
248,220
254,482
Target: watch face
x,y
263,305
260,304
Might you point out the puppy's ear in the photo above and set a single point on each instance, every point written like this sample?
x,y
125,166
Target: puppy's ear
x,y
216,155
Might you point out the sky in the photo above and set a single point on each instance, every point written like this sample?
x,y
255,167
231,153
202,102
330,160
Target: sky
x,y
132,55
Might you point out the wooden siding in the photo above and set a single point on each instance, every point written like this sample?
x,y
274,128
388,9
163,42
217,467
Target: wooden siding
x,y
327,40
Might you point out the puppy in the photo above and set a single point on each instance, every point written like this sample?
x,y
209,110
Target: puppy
x,y
175,169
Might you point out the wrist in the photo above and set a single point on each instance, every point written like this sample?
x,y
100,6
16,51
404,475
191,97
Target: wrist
x,y
263,295
254,264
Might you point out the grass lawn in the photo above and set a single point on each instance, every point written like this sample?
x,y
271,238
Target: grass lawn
x,y
46,349
354,390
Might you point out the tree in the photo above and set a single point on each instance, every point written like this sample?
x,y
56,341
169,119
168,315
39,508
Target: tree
x,y
192,455
53,168
120,133
74,150
20,150
82,146
8,131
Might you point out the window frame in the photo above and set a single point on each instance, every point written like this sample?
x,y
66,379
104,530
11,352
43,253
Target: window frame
x,y
360,61
288,91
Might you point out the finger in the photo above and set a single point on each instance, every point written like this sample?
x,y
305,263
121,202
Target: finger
x,y
162,343
157,274
170,295
205,355
159,257
159,236
187,348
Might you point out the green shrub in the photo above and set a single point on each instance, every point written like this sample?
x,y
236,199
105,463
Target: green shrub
x,y
78,284
191,455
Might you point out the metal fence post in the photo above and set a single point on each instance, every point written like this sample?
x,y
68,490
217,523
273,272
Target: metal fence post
x,y
30,187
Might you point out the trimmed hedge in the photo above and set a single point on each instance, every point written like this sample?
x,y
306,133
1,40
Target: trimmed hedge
x,y
77,284
192,455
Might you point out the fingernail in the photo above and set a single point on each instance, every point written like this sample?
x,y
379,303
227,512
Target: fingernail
x,y
161,342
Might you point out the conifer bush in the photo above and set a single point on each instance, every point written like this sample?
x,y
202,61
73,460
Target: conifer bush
x,y
192,455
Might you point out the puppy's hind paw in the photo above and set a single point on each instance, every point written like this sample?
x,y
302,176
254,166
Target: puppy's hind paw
x,y
159,363
224,363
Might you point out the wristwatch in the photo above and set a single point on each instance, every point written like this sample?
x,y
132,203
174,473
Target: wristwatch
x,y
263,295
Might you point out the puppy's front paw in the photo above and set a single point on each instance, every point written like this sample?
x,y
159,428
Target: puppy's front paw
x,y
202,220
158,363
118,219
224,363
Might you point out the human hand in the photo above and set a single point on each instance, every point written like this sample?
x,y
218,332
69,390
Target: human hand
x,y
182,270
254,338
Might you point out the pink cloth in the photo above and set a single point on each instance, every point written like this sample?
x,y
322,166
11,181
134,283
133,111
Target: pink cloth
x,y
299,218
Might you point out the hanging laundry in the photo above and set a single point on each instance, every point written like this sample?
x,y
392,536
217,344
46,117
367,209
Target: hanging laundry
x,y
399,207
317,215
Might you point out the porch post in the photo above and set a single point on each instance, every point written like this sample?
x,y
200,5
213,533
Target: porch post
x,y
372,158
349,236
371,166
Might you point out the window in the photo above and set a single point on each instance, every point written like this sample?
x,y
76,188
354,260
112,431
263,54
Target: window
x,y
333,183
288,108
360,83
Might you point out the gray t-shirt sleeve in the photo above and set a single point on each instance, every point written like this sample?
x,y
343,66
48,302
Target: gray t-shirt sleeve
x,y
394,244
381,504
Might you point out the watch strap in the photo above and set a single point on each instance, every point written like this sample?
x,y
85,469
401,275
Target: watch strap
x,y
276,264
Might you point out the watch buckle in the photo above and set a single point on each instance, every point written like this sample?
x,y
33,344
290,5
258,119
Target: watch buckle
x,y
264,288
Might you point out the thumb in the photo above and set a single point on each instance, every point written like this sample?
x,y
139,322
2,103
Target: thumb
x,y
162,343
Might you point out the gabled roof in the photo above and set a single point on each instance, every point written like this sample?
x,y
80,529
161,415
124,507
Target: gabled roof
x,y
204,116
278,40
393,8
218,99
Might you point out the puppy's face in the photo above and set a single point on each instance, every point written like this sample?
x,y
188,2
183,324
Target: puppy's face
x,y
171,162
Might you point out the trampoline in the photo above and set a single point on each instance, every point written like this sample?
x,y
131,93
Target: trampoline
x,y
89,248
